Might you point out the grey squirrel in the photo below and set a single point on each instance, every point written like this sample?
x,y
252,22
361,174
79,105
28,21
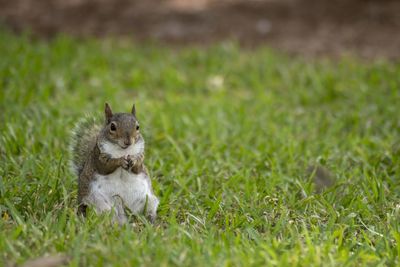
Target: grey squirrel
x,y
109,162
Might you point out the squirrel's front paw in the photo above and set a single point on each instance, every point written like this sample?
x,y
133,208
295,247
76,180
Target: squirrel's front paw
x,y
134,161
137,159
126,162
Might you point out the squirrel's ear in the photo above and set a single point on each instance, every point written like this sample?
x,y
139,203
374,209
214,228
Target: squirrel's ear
x,y
108,113
133,110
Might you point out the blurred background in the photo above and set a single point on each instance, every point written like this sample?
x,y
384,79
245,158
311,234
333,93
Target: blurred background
x,y
366,28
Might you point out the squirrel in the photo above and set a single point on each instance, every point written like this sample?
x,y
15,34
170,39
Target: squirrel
x,y
109,162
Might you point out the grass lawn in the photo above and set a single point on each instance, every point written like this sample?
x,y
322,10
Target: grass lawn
x,y
230,134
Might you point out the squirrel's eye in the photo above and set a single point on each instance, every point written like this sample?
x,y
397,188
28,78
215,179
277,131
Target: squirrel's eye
x,y
113,127
137,127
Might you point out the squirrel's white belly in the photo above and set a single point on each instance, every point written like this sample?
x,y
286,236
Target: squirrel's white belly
x,y
133,189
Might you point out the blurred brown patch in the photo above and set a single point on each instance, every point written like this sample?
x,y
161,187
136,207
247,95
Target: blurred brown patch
x,y
321,176
48,261
367,28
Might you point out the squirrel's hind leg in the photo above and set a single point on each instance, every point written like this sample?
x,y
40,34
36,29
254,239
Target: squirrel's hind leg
x,y
119,212
151,208
114,204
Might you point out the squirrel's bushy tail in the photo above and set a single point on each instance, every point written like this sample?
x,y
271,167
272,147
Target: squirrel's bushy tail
x,y
82,142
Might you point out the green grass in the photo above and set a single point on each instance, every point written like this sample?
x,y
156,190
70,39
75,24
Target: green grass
x,y
230,134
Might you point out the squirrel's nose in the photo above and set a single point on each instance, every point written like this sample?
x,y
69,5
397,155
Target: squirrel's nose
x,y
127,142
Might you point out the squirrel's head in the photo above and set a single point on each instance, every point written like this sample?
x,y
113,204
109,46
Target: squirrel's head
x,y
121,128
